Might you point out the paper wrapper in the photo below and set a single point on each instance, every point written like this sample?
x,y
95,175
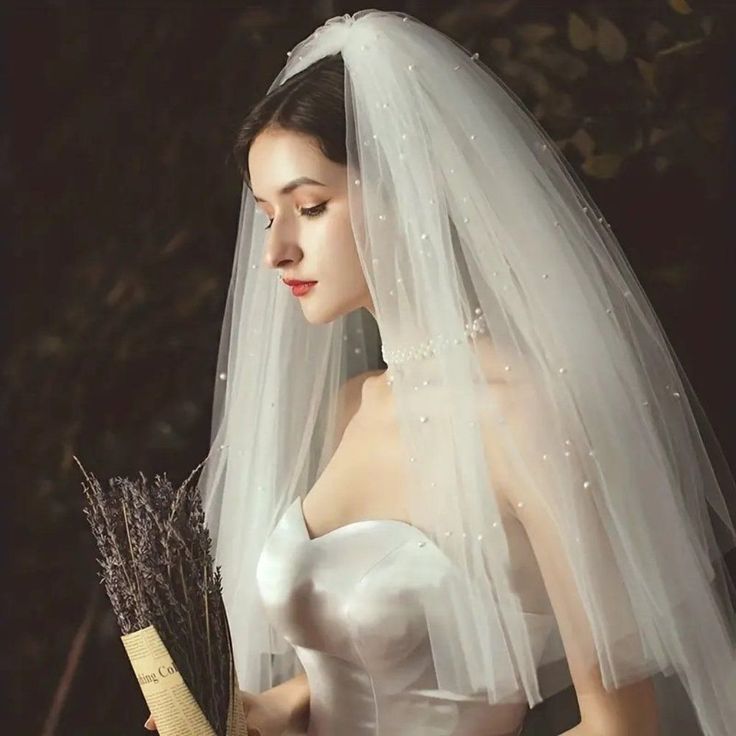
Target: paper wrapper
x,y
170,701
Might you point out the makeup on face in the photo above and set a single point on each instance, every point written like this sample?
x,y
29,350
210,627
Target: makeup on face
x,y
304,195
302,289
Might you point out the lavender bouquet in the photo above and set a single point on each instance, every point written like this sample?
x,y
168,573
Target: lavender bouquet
x,y
160,578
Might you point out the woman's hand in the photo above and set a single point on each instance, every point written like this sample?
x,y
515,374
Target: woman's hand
x,y
266,714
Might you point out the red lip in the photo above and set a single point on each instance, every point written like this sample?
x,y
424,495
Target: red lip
x,y
296,282
302,288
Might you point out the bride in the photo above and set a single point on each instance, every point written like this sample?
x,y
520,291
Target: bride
x,y
456,466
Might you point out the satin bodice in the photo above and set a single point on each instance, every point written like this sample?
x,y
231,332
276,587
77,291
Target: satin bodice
x,y
351,604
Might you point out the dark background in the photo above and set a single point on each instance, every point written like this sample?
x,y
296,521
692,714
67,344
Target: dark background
x,y
122,203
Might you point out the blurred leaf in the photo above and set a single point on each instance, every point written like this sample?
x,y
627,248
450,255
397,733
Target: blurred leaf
x,y
562,63
603,166
557,105
465,18
656,32
538,82
681,46
611,42
533,33
497,8
646,69
680,6
511,68
191,301
175,243
126,292
583,142
580,33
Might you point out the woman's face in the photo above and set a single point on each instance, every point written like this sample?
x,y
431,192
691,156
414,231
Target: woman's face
x,y
309,236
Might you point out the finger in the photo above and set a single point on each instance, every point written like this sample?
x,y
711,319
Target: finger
x,y
246,697
245,701
150,724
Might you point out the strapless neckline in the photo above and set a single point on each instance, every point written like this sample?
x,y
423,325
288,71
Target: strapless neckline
x,y
355,605
350,526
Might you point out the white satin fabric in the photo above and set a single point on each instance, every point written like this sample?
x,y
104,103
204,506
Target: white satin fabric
x,y
351,603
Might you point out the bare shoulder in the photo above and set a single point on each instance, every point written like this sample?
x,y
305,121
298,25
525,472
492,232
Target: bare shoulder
x,y
514,439
354,387
509,419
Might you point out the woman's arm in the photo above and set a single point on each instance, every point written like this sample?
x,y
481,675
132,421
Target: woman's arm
x,y
621,712
292,697
627,710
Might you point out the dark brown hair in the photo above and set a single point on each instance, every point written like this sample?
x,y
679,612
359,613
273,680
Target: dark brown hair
x,y
312,102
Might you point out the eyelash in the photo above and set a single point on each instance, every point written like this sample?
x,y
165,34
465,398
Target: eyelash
x,y
315,211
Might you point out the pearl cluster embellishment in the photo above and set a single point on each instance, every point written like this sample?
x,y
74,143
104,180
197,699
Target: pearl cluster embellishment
x,y
432,346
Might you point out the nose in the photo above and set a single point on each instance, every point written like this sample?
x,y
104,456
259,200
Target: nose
x,y
280,251
275,263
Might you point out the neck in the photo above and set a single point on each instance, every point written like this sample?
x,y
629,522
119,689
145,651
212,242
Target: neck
x,y
414,351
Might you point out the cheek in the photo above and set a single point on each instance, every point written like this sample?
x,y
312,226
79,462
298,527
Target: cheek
x,y
348,254
338,246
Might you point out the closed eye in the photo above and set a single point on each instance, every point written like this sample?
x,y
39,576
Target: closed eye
x,y
315,211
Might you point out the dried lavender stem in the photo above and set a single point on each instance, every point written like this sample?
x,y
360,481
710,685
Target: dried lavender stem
x,y
132,554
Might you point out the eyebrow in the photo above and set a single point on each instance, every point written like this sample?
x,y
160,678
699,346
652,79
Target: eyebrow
x,y
292,185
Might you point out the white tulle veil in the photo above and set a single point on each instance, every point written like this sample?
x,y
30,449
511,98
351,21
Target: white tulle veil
x,y
469,224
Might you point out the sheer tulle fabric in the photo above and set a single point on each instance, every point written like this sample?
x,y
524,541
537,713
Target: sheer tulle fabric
x,y
462,208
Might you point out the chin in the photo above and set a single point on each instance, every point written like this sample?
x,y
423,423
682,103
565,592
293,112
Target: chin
x,y
313,320
320,315
323,314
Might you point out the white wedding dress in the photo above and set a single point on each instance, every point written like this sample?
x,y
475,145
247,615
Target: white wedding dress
x,y
351,603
